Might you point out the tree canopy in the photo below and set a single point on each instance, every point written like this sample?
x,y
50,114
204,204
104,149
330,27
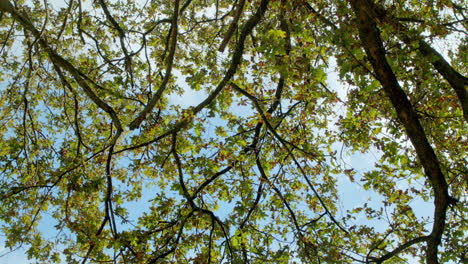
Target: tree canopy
x,y
212,131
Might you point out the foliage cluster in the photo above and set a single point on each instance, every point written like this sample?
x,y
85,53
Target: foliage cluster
x,y
94,145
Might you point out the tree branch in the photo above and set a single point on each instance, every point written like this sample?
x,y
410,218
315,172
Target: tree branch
x,y
61,62
372,43
170,61
232,28
399,249
458,82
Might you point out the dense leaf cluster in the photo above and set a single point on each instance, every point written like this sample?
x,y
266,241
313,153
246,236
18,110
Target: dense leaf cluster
x,y
211,131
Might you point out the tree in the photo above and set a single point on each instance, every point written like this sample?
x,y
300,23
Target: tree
x,y
95,146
